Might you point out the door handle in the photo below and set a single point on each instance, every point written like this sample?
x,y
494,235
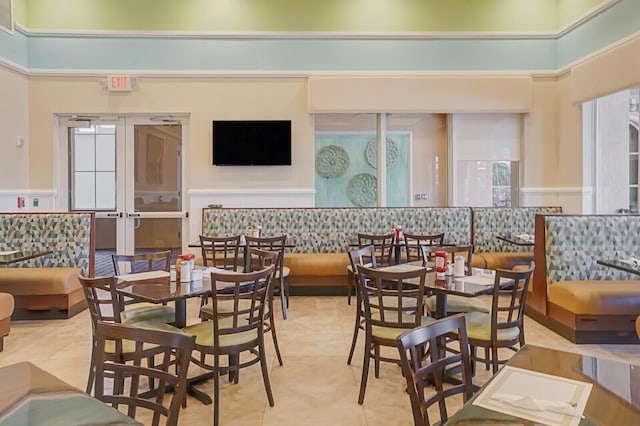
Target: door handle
x,y
135,214
115,214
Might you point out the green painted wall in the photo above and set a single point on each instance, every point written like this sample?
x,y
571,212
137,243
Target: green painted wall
x,y
301,15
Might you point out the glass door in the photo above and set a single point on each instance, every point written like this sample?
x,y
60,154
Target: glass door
x,y
128,170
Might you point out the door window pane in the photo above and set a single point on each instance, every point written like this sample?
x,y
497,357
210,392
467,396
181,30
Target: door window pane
x,y
93,168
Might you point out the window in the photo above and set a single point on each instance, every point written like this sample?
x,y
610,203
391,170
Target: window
x,y
93,168
633,168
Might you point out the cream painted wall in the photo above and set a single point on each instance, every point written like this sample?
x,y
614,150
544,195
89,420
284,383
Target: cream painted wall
x,y
14,123
430,160
204,100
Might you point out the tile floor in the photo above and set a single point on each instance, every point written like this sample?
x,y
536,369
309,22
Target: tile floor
x,y
314,387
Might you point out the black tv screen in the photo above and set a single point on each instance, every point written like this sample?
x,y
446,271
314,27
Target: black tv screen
x,y
252,143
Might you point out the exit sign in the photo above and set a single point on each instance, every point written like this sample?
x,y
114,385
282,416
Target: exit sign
x,y
119,83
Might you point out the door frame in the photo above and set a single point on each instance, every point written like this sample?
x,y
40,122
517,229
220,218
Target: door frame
x,y
124,129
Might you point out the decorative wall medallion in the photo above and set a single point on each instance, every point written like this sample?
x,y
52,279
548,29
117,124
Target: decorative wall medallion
x,y
332,161
393,152
362,189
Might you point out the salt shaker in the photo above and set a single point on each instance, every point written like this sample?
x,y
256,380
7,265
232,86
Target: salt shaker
x,y
185,271
449,270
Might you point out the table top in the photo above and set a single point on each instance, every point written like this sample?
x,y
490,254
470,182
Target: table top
x,y
28,392
197,244
622,265
480,282
526,240
162,290
13,256
614,398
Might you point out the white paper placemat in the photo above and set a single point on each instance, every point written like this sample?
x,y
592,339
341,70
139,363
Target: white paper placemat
x,y
8,252
143,276
481,279
539,397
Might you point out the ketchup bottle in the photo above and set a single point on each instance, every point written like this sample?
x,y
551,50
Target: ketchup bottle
x,y
441,262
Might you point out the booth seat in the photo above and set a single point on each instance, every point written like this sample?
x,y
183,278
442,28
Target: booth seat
x,y
6,309
322,236
491,222
572,294
47,287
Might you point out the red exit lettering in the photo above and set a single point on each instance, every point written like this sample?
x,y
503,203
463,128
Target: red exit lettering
x,y
119,82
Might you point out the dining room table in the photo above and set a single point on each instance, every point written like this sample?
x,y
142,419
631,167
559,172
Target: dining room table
x,y
158,287
518,239
540,385
631,265
32,396
481,281
8,257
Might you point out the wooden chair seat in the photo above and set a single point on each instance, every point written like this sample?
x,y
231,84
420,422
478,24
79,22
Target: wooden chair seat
x,y
479,327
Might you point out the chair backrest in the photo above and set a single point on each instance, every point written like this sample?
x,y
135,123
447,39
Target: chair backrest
x,y
424,359
394,299
384,246
247,294
414,242
144,262
364,256
452,251
508,304
273,244
221,252
102,299
171,352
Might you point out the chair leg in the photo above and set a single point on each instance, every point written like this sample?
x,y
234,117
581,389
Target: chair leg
x,y
487,360
350,280
92,372
283,298
216,389
376,351
356,330
365,370
1,343
272,323
265,373
494,358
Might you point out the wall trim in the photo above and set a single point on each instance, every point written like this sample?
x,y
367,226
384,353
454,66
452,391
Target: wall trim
x,y
556,190
550,34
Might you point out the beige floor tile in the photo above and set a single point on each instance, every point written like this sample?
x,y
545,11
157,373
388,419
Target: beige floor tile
x,y
314,387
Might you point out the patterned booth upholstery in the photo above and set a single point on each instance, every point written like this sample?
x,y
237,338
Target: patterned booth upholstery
x,y
583,301
47,286
489,222
322,235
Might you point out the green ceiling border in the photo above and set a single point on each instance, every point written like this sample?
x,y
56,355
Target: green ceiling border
x,y
354,16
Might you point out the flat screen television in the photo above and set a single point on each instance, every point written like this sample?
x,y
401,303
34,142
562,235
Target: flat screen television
x,y
252,143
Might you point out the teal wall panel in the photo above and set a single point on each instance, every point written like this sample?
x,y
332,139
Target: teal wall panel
x,y
611,25
13,47
340,170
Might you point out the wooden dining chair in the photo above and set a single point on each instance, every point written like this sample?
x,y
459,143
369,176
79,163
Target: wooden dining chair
x,y
121,353
503,327
222,252
258,260
276,243
104,305
455,304
237,331
413,244
143,262
364,256
426,361
392,305
384,248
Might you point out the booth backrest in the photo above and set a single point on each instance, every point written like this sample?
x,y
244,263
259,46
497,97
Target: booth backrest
x,y
574,243
68,235
327,230
488,222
